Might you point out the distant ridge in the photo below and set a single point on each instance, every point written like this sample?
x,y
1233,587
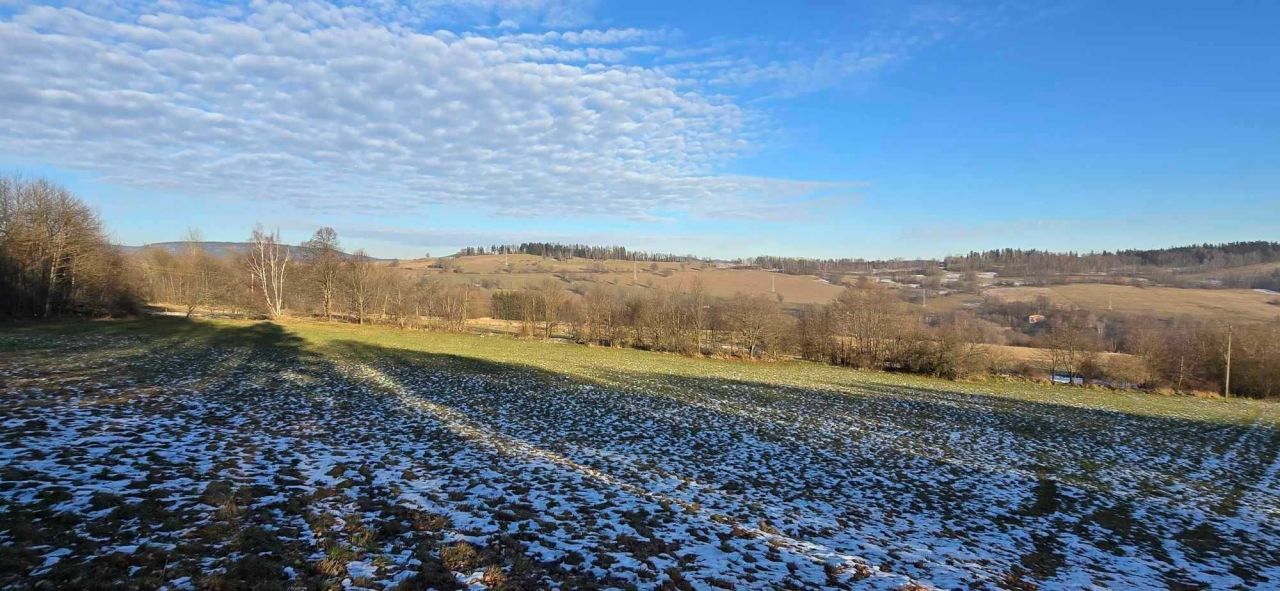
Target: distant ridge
x,y
217,248
1182,259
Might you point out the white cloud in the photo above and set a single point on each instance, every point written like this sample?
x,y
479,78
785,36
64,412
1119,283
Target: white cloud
x,y
333,108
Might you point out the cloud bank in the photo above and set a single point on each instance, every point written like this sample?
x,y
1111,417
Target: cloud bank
x,y
333,108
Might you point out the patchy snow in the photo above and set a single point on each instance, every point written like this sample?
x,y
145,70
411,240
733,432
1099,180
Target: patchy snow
x,y
170,465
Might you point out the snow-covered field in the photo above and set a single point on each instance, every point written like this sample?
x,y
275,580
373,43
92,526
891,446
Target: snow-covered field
x,y
254,457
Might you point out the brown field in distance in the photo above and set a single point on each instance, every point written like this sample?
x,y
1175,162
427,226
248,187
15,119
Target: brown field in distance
x,y
1245,271
1233,305
718,282
1228,305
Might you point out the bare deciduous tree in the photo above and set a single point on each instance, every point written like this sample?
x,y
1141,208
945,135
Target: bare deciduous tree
x,y
755,323
548,300
866,319
360,284
324,254
1068,342
194,275
54,256
268,262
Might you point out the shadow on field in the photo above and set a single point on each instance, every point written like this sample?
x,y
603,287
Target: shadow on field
x,y
1114,461
1064,437
152,350
645,417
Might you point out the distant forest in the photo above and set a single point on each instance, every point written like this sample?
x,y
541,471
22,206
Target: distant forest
x,y
56,260
1195,258
1016,262
1165,265
564,251
807,266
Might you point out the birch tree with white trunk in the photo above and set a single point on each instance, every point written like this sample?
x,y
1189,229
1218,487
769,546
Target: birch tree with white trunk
x,y
268,261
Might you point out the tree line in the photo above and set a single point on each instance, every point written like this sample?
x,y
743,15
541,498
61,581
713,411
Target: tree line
x,y
557,250
869,325
813,266
316,278
1201,257
55,259
1033,263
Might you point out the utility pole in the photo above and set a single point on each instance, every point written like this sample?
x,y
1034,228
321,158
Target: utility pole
x,y
1226,388
773,284
635,274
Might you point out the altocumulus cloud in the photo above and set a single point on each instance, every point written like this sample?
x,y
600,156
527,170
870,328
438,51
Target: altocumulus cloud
x,y
328,107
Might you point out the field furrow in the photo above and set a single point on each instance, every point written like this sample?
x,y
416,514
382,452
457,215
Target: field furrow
x,y
242,453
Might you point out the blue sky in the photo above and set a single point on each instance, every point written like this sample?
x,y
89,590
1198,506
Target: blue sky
x,y
833,129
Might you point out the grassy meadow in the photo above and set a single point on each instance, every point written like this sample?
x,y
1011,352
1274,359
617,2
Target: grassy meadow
x,y
1224,305
518,270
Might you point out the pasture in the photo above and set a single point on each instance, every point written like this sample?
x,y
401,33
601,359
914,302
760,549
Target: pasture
x,y
1226,305
164,453
520,270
